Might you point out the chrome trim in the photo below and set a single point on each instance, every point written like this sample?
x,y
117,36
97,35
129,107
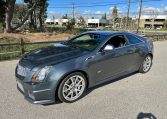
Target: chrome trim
x,y
41,90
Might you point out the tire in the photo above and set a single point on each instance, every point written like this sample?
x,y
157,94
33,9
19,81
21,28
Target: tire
x,y
146,64
72,87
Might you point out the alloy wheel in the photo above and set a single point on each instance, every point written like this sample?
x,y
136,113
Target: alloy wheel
x,y
73,87
147,63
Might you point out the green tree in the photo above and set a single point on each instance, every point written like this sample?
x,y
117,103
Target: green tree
x,y
165,24
9,11
38,15
65,16
19,11
104,16
42,12
71,24
35,11
2,14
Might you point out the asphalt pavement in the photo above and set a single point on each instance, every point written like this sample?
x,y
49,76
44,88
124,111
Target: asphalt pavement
x,y
131,97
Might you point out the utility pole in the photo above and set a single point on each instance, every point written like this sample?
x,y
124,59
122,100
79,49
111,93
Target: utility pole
x,y
127,18
73,14
139,16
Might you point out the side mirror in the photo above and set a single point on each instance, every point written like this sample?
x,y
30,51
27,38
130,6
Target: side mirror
x,y
108,47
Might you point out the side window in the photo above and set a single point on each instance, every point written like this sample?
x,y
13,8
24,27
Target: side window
x,y
117,41
132,39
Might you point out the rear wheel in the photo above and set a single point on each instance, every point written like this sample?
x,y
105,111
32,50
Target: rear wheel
x,y
72,87
146,65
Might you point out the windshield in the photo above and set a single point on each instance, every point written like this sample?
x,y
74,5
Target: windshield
x,y
88,41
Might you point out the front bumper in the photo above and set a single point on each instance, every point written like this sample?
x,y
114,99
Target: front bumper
x,y
41,93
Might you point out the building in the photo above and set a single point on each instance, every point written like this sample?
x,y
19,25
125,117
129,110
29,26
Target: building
x,y
56,21
49,21
96,22
157,21
88,22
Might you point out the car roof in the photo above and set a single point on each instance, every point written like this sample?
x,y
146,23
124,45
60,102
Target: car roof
x,y
108,33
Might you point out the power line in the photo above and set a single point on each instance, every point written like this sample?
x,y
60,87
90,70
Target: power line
x,y
104,4
69,4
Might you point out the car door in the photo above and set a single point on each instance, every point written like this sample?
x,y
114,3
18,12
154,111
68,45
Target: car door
x,y
135,47
106,64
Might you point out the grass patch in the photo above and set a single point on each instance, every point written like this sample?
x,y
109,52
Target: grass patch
x,y
14,51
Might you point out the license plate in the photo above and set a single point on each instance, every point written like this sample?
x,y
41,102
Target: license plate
x,y
20,86
21,71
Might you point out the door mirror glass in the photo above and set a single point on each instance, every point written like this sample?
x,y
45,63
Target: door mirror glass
x,y
108,47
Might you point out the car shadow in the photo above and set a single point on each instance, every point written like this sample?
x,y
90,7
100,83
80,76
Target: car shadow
x,y
57,101
142,115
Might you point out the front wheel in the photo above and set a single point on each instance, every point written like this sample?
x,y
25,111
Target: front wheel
x,y
146,65
72,87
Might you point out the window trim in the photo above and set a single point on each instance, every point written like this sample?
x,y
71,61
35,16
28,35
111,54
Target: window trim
x,y
135,37
128,45
112,37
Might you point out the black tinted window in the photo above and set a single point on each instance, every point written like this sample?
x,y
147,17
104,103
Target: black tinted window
x,y
117,41
132,39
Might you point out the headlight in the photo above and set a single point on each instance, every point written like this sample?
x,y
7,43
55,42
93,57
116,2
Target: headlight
x,y
41,74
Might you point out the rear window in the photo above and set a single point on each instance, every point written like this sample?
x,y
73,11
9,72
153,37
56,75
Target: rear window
x,y
132,39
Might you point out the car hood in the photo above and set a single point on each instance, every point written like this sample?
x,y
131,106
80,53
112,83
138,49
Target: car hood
x,y
50,55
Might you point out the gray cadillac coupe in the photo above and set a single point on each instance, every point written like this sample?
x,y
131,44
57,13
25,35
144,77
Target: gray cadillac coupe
x,y
65,70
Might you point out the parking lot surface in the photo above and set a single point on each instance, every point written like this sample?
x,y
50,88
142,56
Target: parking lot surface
x,y
132,97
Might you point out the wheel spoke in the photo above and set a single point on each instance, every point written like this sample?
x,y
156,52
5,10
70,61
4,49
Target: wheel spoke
x,y
67,85
79,82
66,90
77,92
72,80
76,79
73,87
147,64
70,93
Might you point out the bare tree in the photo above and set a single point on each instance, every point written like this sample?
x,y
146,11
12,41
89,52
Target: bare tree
x,y
10,5
114,15
153,16
127,18
81,20
9,14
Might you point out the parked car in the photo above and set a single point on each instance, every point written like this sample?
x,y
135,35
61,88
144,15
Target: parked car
x,y
65,70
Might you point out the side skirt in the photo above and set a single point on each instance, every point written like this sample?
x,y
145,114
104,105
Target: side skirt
x,y
114,78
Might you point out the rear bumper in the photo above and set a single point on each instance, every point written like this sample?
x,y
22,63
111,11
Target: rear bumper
x,y
37,93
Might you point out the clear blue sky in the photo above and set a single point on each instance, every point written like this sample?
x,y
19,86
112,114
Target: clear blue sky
x,y
54,5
